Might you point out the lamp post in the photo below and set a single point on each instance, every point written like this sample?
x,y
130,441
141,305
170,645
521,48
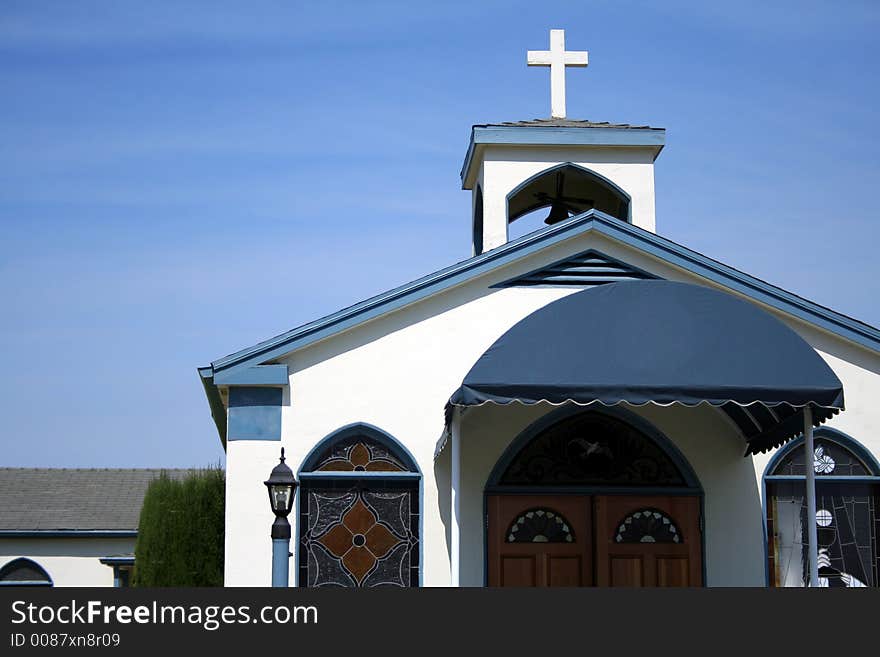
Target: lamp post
x,y
282,488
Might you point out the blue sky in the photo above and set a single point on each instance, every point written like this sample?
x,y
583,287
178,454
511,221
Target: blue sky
x,y
182,180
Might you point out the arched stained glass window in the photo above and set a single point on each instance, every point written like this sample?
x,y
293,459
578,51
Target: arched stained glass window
x,y
24,572
359,514
847,513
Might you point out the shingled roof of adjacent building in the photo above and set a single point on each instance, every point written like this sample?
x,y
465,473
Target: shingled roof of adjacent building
x,y
50,499
564,123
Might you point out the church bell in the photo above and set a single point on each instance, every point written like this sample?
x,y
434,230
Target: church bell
x,y
558,212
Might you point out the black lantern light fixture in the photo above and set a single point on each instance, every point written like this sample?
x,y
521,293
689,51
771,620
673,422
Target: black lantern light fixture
x,y
281,485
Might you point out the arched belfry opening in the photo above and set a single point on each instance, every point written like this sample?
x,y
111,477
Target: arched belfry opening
x,y
525,172
563,191
478,221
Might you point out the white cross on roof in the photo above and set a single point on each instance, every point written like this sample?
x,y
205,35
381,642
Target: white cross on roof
x,y
557,59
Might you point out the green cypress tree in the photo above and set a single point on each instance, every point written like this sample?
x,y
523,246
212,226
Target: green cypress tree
x,y
181,531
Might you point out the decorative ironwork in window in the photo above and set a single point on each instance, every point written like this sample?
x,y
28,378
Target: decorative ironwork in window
x,y
361,529
540,526
647,526
592,449
847,516
829,458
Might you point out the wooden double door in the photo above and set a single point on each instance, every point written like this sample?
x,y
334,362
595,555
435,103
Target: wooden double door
x,y
594,540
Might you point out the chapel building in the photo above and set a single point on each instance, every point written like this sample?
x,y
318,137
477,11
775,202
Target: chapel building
x,y
588,404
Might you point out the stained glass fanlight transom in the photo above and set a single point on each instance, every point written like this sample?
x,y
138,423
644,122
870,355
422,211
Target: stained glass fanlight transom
x,y
359,454
847,516
829,459
540,526
647,526
361,530
592,449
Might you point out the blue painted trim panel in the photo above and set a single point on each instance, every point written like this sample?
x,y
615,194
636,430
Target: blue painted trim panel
x,y
558,136
27,583
359,475
68,533
280,562
254,413
671,491
215,402
117,561
257,375
841,479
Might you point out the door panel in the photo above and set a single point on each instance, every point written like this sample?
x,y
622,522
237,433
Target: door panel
x,y
540,540
626,570
672,571
565,570
582,540
648,541
518,571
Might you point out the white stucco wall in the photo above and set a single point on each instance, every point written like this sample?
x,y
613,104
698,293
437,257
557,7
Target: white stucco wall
x,y
397,372
68,561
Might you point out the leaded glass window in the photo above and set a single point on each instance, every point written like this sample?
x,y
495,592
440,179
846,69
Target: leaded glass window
x,y
592,449
829,459
358,454
359,528
647,526
540,526
847,516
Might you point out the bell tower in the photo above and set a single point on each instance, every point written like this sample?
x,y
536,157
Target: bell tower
x,y
564,165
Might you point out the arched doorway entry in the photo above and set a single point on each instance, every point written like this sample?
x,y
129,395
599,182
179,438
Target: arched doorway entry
x,y
593,498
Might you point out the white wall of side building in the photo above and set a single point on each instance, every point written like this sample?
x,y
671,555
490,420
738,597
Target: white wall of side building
x,y
68,561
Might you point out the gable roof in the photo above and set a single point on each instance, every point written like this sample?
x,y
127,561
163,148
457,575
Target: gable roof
x,y
593,220
66,501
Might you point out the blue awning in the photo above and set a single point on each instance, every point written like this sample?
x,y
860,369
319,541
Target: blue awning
x,y
660,342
